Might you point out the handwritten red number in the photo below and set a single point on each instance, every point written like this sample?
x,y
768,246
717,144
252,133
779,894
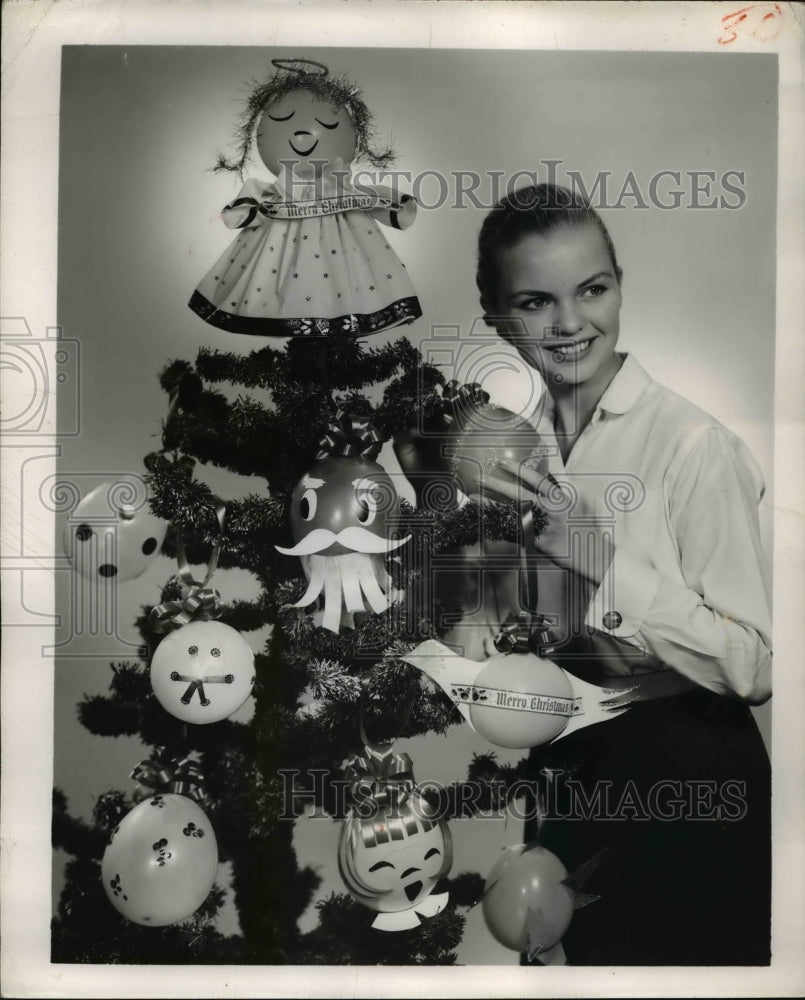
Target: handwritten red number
x,y
759,17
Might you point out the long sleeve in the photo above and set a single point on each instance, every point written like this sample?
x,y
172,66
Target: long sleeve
x,y
244,210
713,623
395,210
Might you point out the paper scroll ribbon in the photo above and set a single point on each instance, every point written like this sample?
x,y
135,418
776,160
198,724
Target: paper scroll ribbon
x,y
349,436
166,773
198,602
380,774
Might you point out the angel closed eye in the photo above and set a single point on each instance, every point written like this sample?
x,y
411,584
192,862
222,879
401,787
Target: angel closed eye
x,y
325,124
381,864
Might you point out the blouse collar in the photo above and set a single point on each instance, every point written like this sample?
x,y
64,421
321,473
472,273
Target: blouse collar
x,y
628,385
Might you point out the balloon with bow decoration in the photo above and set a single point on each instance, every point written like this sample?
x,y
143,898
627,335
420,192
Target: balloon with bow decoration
x,y
482,434
529,899
162,858
393,847
342,512
202,671
112,534
517,699
309,259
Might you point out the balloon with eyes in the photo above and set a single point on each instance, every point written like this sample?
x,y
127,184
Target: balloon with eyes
x,y
309,258
393,847
342,511
108,535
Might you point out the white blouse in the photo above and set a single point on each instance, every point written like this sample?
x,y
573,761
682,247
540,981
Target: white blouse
x,y
678,493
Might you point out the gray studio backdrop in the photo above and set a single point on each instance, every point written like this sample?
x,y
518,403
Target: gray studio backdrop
x,y
138,227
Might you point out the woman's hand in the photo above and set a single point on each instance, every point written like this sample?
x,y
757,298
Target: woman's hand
x,y
422,458
566,537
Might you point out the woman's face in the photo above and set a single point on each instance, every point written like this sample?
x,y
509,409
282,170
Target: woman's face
x,y
299,128
561,298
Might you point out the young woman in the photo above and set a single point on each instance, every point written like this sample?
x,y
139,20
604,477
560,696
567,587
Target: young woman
x,y
652,564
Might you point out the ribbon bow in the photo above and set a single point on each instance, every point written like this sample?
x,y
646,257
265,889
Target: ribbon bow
x,y
380,774
165,773
198,602
158,461
524,633
348,436
201,604
464,397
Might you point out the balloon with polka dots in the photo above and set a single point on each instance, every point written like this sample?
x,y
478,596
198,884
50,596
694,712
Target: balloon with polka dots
x,y
112,534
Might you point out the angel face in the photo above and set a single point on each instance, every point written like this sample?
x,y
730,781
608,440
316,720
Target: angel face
x,y
302,130
396,874
343,505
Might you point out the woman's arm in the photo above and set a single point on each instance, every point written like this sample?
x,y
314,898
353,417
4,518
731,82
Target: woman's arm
x,y
714,624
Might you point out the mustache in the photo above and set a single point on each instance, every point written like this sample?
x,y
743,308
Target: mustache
x,y
355,538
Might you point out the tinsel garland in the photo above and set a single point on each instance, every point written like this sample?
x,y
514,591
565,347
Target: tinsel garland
x,y
356,675
337,90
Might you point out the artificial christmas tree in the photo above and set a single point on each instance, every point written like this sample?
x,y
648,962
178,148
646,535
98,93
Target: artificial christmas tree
x,y
318,690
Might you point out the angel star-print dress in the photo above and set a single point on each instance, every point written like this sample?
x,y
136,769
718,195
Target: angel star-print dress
x,y
309,266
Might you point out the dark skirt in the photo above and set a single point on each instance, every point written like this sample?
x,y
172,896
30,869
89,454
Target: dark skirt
x,y
677,794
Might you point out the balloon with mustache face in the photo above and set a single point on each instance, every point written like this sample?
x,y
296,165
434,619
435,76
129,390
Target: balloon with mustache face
x,y
342,510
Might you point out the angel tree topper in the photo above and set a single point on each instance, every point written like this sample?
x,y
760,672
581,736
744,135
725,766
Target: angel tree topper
x,y
342,511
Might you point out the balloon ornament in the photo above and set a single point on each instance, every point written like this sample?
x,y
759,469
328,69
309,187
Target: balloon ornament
x,y
393,847
162,859
110,536
309,258
481,435
529,899
342,512
516,698
203,671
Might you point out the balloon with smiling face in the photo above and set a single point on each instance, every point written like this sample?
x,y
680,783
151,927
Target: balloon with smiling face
x,y
300,130
309,258
109,538
391,860
203,672
342,511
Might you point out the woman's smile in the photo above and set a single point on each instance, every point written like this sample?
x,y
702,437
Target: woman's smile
x,y
559,300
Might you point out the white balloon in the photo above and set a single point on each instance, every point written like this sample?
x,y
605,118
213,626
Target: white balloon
x,y
109,539
202,672
161,862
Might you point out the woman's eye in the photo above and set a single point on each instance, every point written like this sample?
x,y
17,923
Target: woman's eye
x,y
325,125
593,291
307,505
281,118
381,864
537,302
